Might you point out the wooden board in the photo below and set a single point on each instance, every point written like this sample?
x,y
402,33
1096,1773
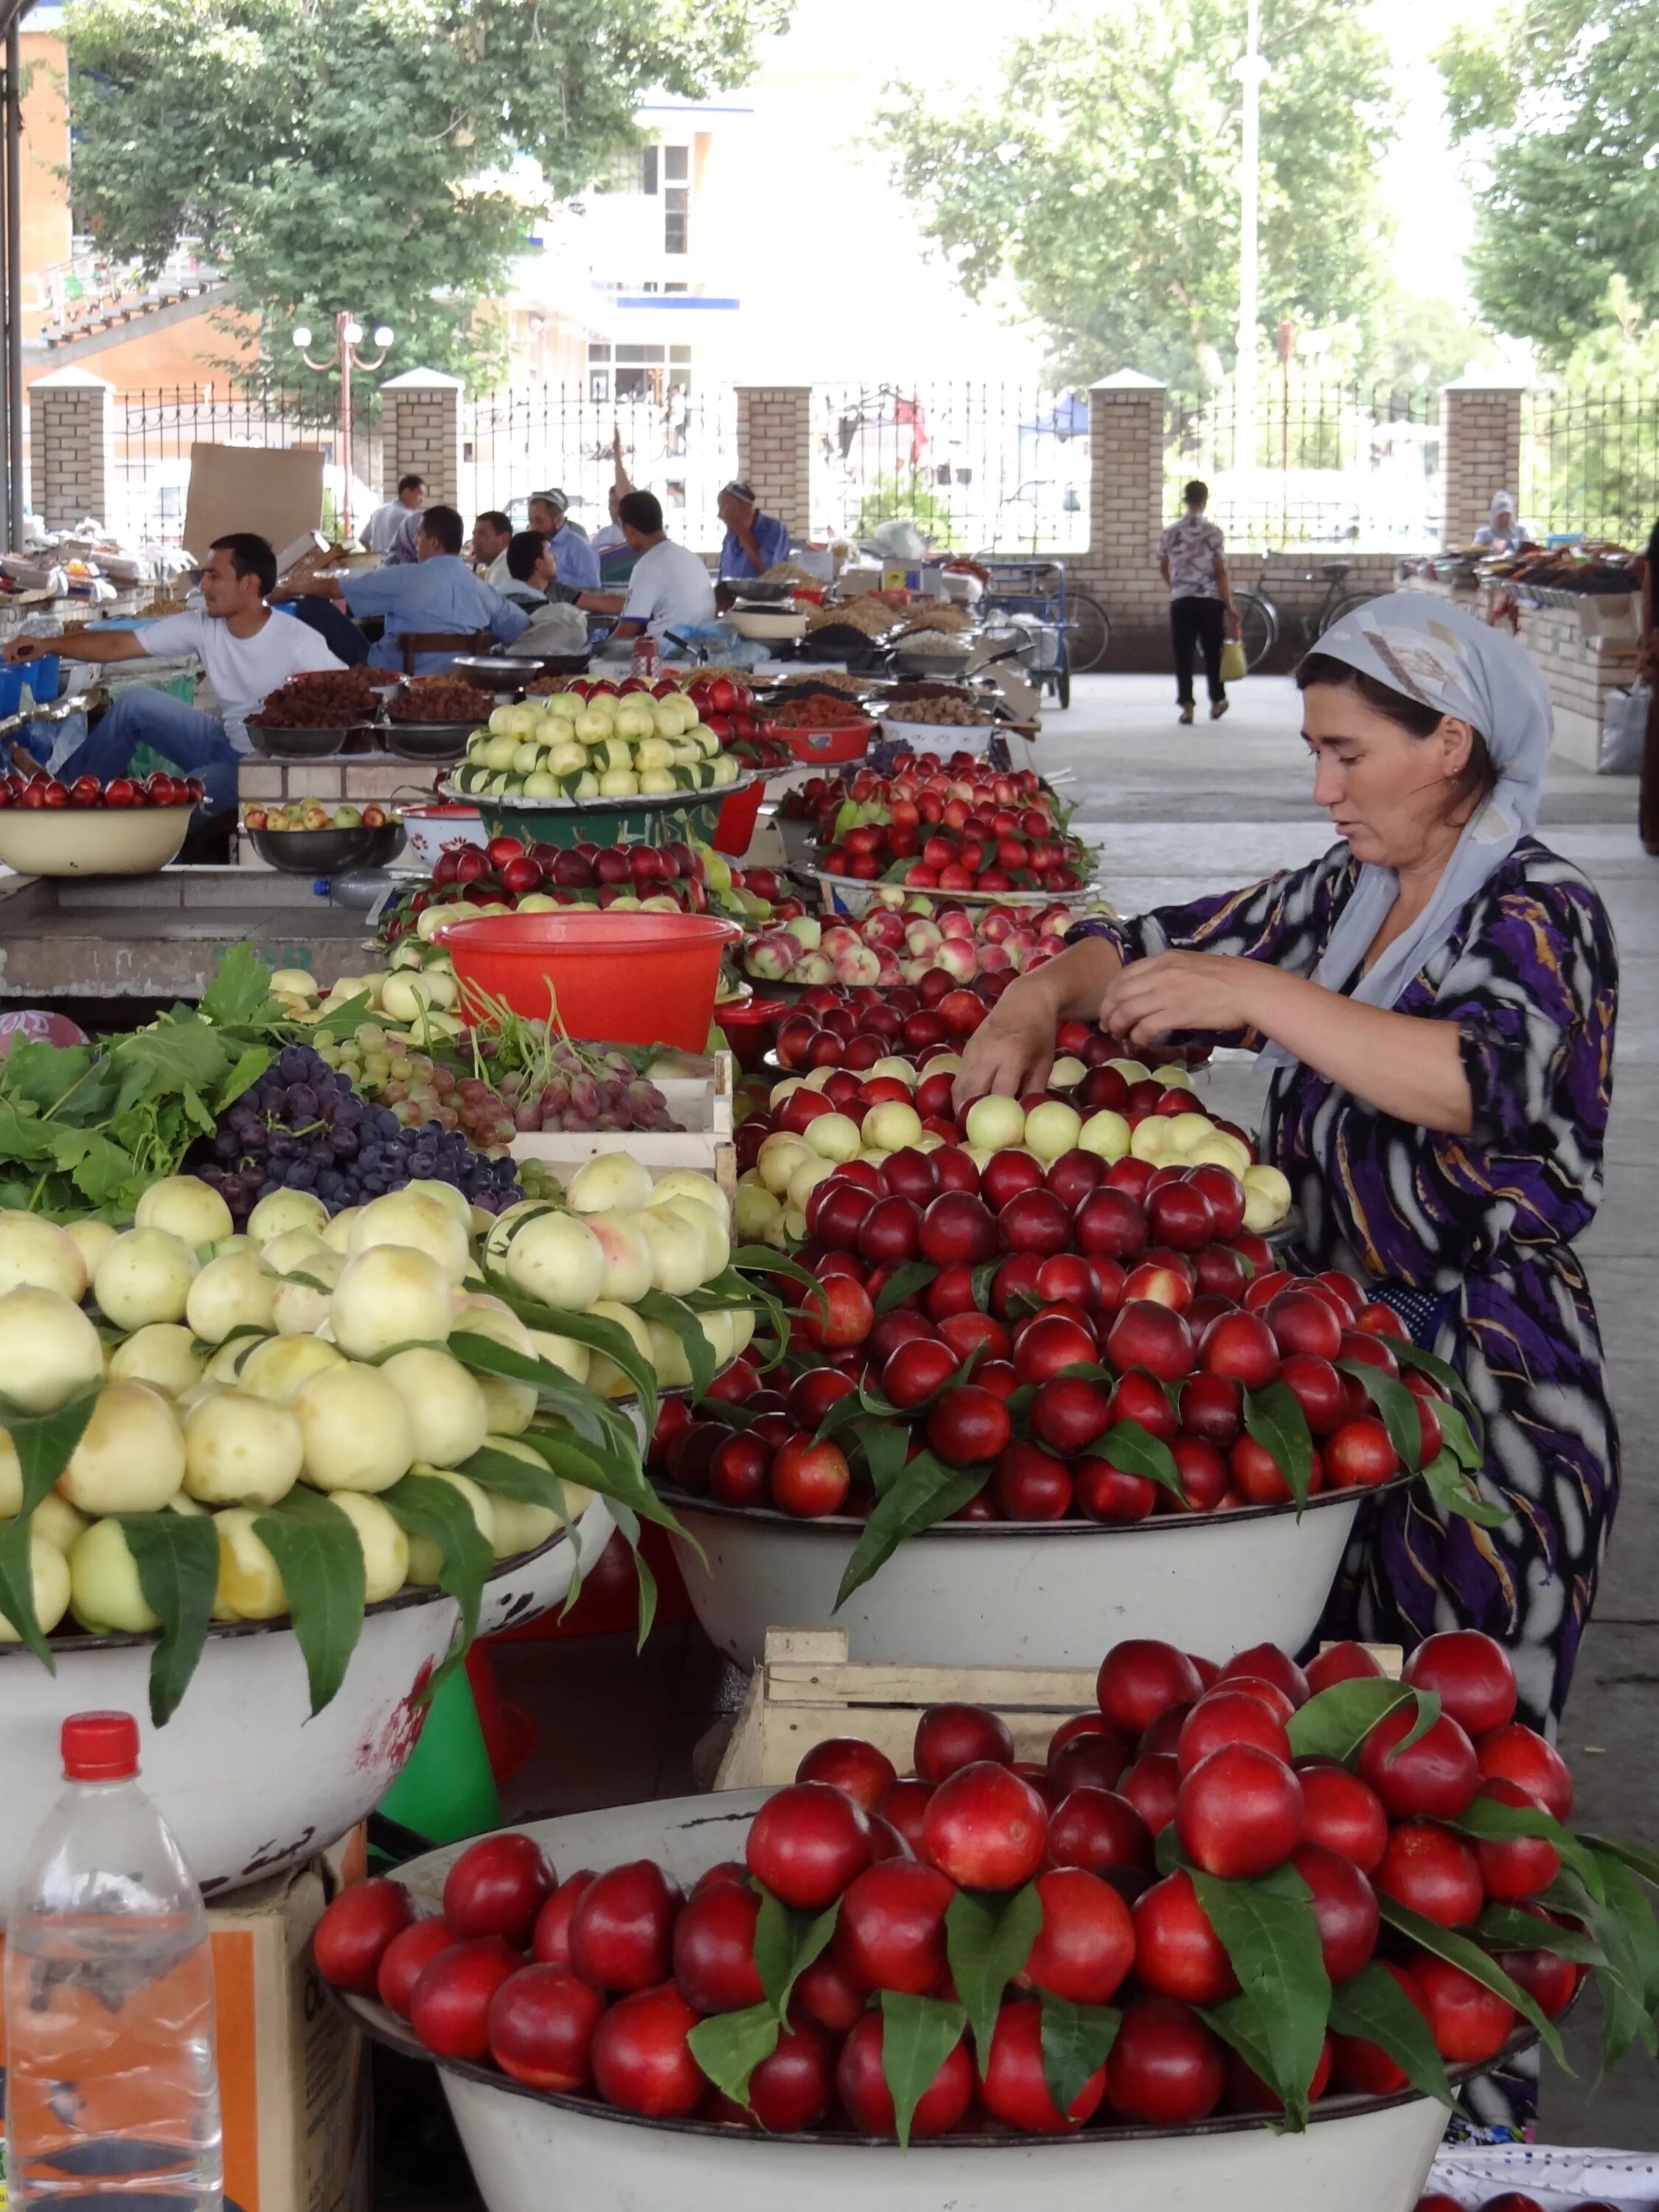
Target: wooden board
x,y
806,1690
275,490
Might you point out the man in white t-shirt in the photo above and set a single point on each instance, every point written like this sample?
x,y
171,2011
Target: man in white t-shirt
x,y
247,650
383,526
671,587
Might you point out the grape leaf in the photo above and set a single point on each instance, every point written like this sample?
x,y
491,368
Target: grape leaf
x,y
1267,1929
785,1944
1274,1418
43,1443
320,1557
1077,2041
1374,2007
176,1556
1446,1943
730,2045
240,993
918,2034
925,1494
987,1940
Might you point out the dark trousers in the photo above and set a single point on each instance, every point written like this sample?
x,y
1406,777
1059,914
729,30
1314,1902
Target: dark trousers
x,y
337,631
1198,625
1650,786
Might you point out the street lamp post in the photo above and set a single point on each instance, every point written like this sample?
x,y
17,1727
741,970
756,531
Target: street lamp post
x,y
347,336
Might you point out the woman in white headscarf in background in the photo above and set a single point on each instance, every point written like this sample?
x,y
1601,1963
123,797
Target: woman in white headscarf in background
x,y
1437,994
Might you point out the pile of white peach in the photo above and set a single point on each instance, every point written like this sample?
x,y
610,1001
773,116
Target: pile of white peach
x,y
564,747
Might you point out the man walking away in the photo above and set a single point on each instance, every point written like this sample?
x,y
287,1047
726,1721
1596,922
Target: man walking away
x,y
1201,611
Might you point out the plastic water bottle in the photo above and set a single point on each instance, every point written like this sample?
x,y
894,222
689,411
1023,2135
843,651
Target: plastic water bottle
x,y
111,2082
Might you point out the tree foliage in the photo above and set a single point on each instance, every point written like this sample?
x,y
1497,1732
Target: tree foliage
x,y
1101,177
1558,103
370,154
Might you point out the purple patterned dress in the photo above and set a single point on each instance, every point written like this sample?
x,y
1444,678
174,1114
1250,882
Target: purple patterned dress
x,y
1480,1228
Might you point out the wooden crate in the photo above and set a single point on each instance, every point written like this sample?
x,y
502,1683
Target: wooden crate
x,y
703,1144
806,1690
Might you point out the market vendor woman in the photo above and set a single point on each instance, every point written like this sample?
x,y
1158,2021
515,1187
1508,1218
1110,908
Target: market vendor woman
x,y
1437,995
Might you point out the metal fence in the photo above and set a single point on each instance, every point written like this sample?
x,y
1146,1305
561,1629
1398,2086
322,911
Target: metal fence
x,y
680,443
1333,465
1590,462
997,468
155,431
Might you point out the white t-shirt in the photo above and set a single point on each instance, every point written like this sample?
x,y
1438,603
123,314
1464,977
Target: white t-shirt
x,y
669,589
243,671
384,524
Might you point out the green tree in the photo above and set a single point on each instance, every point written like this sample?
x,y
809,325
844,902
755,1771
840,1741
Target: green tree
x,y
1556,102
381,155
1101,177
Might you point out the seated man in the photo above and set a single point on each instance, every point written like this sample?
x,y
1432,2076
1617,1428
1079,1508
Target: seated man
x,y
754,542
577,563
491,534
247,649
670,587
439,593
557,626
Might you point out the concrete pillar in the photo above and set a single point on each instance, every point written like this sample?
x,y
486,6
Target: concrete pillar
x,y
72,449
1479,452
421,432
775,449
1126,510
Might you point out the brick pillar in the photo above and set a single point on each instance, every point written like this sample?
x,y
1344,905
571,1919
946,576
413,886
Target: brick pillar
x,y
1126,509
775,449
421,432
72,449
1479,452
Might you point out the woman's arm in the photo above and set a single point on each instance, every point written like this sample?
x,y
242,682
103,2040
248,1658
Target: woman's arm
x,y
1404,1064
1223,584
1012,1050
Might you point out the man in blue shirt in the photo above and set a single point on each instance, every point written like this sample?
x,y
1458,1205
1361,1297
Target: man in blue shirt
x,y
574,559
754,542
438,593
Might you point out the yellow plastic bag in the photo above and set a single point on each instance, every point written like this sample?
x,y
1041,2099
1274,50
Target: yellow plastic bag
x,y
1233,666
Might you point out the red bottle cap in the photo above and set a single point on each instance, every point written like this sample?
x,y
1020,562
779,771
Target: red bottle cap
x,y
99,1748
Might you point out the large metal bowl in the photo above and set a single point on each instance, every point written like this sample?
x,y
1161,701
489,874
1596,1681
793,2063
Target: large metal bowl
x,y
1021,1594
327,852
526,1589
528,2148
426,741
298,744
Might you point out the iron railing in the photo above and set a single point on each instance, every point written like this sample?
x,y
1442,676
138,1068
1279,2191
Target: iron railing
x,y
1590,462
1333,465
155,429
998,468
680,443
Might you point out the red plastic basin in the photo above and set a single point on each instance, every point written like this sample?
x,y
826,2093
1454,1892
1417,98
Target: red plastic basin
x,y
618,979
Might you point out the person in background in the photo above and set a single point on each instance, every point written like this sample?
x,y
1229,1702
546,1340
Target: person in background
x,y
577,562
246,649
1191,562
754,542
670,587
439,592
383,526
557,625
1648,666
491,534
1499,532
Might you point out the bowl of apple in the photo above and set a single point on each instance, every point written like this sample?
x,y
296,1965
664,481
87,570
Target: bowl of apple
x,y
129,826
310,839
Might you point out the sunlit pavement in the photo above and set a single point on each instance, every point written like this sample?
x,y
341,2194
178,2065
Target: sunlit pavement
x,y
1175,812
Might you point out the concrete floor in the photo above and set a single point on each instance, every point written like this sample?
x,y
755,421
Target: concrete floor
x,y
1175,812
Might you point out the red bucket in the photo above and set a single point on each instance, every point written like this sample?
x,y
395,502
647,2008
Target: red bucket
x,y
616,978
737,817
751,1028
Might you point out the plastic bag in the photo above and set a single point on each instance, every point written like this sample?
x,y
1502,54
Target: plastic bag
x,y
1233,666
1624,730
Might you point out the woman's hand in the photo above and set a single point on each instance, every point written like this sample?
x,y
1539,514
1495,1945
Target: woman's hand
x,y
1212,991
1235,623
1011,1052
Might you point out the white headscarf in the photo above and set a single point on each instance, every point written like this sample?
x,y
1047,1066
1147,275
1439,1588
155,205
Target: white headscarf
x,y
1441,658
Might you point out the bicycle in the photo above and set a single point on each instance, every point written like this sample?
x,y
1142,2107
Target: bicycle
x,y
1262,623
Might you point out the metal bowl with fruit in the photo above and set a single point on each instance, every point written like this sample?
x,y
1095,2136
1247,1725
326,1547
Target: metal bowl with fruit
x,y
129,826
314,840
